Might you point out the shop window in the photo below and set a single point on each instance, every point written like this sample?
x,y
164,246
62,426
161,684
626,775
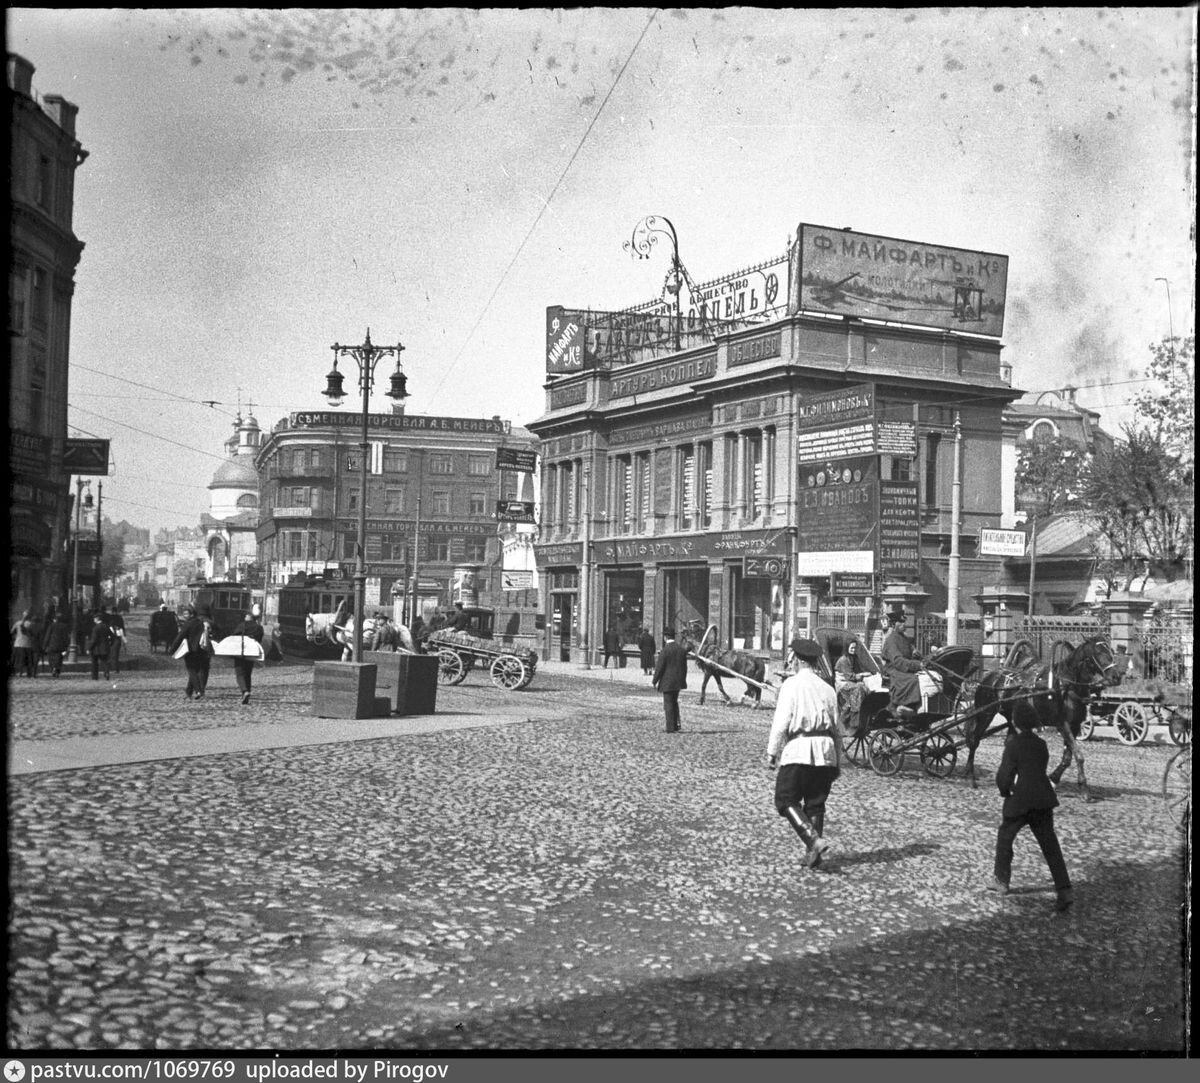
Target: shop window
x,y
757,612
623,605
685,597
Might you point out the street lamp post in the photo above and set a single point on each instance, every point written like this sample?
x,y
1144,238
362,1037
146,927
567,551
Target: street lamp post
x,y
641,243
366,357
73,646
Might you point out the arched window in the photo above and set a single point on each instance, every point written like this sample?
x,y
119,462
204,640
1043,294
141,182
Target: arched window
x,y
247,500
1043,430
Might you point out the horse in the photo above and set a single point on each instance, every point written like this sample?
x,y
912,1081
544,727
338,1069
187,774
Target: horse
x,y
379,633
706,652
1056,694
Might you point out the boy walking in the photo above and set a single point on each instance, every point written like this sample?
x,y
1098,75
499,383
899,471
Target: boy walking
x,y
1029,798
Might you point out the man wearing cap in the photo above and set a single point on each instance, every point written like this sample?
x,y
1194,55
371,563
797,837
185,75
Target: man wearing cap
x,y
670,677
806,747
901,665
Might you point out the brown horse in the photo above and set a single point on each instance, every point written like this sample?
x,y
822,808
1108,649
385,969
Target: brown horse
x,y
1056,694
701,644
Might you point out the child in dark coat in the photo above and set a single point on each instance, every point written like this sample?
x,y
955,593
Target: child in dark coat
x,y
1029,798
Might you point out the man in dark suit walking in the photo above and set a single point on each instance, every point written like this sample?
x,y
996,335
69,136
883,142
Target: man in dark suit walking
x,y
670,677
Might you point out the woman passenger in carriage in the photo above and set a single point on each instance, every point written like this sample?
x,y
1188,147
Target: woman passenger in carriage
x,y
848,681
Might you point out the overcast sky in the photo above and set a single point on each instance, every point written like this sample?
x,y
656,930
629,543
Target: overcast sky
x,y
262,184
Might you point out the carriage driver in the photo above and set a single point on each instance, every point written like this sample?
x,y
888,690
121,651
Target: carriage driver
x,y
901,664
806,745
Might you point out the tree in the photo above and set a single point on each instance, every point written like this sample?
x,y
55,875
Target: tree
x,y
253,575
1141,494
1050,474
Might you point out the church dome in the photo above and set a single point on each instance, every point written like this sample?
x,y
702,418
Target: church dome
x,y
235,473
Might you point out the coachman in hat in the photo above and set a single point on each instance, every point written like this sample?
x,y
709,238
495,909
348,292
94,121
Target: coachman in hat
x,y
901,664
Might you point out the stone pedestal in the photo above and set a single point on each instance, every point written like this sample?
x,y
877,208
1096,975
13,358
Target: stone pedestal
x,y
1126,611
907,596
344,689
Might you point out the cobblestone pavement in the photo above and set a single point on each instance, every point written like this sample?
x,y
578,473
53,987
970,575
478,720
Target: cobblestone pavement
x,y
575,879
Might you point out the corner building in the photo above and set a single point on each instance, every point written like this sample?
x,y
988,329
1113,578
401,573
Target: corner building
x,y
432,478
770,468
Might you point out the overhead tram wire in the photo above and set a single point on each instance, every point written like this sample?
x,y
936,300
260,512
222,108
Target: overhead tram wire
x,y
212,403
545,206
152,435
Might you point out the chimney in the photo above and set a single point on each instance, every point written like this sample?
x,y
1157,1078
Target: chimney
x,y
1069,395
20,75
62,112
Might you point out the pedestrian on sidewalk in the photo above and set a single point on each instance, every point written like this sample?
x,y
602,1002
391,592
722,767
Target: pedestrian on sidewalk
x,y
56,642
612,646
24,646
99,645
243,665
670,678
806,746
116,624
195,658
1029,798
646,646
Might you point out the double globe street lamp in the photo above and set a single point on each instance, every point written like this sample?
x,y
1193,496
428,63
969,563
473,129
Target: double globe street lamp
x,y
366,357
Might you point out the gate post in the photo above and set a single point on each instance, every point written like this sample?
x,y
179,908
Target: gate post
x,y
1000,606
1126,611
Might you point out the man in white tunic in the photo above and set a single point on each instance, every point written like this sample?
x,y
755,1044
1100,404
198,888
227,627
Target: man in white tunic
x,y
806,746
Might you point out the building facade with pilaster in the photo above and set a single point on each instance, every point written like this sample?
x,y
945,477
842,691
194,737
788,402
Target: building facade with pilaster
x,y
766,457
44,252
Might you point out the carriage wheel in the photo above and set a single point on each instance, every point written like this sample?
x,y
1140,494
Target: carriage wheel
x,y
1180,724
1177,787
1088,726
856,749
508,672
883,751
451,669
1131,722
938,755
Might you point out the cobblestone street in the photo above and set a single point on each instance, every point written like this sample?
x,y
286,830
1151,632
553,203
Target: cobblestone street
x,y
552,870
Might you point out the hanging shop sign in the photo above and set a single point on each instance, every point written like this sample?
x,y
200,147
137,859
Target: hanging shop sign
x,y
516,580
514,511
84,456
852,585
764,567
1001,543
565,337
899,530
508,458
861,274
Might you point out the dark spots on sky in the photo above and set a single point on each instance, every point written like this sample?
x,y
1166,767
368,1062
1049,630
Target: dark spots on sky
x,y
194,61
1035,80
997,87
910,18
241,80
677,13
552,63
951,64
1110,116
781,60
920,68
287,75
943,95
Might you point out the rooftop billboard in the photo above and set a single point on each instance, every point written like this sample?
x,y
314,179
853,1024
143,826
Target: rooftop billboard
x,y
846,273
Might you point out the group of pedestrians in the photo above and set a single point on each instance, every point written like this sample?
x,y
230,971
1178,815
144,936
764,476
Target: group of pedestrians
x,y
99,634
805,748
196,641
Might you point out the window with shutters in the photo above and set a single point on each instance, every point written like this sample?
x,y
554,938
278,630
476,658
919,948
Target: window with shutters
x,y
687,487
645,478
704,453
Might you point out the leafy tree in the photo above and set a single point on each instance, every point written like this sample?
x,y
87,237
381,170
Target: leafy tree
x,y
1141,494
1050,474
253,575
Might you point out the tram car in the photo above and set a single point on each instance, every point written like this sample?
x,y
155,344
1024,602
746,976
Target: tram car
x,y
305,595
226,601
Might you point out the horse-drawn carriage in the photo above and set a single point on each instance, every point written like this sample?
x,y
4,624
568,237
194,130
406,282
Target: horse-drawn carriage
x,y
458,652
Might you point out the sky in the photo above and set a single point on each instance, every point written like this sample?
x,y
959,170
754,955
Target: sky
x,y
262,184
